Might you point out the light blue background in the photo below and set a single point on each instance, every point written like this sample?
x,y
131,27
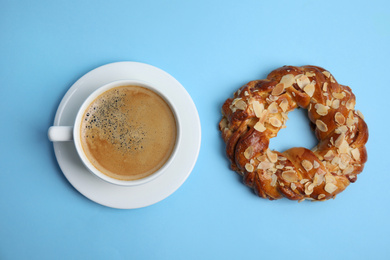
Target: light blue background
x,y
212,48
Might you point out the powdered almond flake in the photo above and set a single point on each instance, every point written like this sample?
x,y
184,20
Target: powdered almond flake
x,y
321,109
258,108
302,81
259,127
326,73
321,126
355,154
272,157
273,108
290,176
248,152
309,89
249,167
284,105
339,118
275,122
287,80
307,165
330,188
278,89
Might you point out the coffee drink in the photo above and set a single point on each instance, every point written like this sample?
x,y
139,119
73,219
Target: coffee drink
x,y
128,132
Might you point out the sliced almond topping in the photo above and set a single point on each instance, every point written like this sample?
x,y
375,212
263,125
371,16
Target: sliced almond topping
x,y
287,80
329,178
240,104
328,102
321,171
274,180
318,179
321,126
309,89
316,165
248,152
259,127
350,121
325,87
340,119
339,140
258,108
273,108
355,154
275,122
272,157
307,165
223,124
265,165
350,104
329,155
332,79
344,147
321,109
340,95
310,74
246,93
278,89
282,158
341,129
249,167
336,104
302,81
326,73
303,181
348,170
321,196
293,186
330,188
309,188
290,176
360,114
284,105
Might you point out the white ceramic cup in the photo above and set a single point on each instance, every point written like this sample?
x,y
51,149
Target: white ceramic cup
x,y
72,133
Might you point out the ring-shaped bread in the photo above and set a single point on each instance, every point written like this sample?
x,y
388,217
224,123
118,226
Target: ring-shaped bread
x,y
259,110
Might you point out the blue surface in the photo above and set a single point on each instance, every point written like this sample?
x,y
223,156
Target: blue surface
x,y
212,48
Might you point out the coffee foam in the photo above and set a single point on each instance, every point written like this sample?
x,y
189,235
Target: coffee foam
x,y
128,132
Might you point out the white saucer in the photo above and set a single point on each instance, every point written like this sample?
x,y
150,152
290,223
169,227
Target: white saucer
x,y
152,192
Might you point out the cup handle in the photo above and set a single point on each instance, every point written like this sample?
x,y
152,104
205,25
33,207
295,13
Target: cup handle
x,y
60,133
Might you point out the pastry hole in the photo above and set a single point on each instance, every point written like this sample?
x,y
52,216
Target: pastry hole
x,y
297,133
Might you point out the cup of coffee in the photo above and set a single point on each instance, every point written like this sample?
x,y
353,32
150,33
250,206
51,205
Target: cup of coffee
x,y
126,132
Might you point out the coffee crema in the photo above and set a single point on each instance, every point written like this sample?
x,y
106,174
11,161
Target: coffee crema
x,y
128,132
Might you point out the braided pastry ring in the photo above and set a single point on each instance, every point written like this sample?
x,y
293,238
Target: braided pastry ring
x,y
259,110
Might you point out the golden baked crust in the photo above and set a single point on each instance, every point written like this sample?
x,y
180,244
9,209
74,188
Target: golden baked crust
x,y
259,110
